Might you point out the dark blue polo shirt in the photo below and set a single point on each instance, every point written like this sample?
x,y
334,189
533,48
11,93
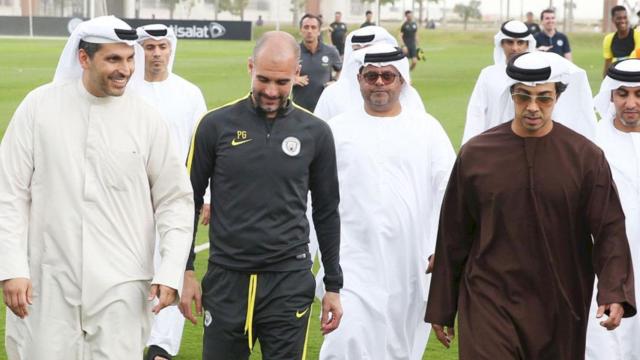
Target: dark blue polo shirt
x,y
559,41
318,67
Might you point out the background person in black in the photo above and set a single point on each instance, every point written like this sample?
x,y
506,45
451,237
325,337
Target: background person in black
x,y
338,31
534,28
263,155
620,44
409,33
368,19
318,62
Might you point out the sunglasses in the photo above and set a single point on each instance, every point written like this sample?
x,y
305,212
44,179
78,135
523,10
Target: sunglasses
x,y
522,99
387,77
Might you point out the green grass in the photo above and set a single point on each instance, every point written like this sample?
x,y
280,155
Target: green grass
x,y
445,81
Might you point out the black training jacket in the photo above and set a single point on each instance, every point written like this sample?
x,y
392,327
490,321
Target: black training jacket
x,y
261,171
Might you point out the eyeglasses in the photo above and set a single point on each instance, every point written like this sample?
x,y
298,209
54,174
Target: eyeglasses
x,y
522,99
387,77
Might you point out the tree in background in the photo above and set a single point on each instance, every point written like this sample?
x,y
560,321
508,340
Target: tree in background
x,y
215,4
171,5
297,7
424,5
466,12
380,3
235,7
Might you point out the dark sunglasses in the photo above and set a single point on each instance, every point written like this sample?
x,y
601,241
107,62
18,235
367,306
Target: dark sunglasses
x,y
387,77
522,99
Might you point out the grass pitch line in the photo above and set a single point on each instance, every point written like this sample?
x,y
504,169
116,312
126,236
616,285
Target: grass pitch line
x,y
201,247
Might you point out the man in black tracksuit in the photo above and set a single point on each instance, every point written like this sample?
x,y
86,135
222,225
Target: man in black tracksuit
x,y
263,155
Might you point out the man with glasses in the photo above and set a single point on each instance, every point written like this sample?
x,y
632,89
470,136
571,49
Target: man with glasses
x,y
331,102
618,103
530,215
393,165
574,109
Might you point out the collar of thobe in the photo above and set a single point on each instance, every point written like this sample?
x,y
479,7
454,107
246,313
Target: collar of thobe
x,y
99,30
622,73
513,29
159,32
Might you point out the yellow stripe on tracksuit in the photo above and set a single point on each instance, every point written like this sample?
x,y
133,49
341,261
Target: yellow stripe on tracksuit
x,y
301,108
193,137
251,303
306,336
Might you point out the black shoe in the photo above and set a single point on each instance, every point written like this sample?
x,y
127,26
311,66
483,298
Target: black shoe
x,y
155,350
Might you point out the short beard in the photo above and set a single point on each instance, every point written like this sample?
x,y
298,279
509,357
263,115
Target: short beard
x,y
282,101
629,124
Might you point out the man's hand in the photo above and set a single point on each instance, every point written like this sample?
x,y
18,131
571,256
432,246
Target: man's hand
x,y
205,214
302,80
445,338
190,292
430,264
166,296
331,312
17,296
616,311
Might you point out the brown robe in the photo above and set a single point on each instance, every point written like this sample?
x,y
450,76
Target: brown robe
x,y
515,256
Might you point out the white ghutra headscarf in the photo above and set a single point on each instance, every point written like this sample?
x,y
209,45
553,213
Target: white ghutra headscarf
x,y
574,108
159,32
514,30
622,73
99,30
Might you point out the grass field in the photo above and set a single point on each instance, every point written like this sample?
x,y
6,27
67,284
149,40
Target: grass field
x,y
445,81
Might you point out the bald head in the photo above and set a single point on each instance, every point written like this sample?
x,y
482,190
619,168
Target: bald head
x,y
276,46
273,68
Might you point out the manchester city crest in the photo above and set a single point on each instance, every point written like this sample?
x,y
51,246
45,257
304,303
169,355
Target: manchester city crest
x,y
291,146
